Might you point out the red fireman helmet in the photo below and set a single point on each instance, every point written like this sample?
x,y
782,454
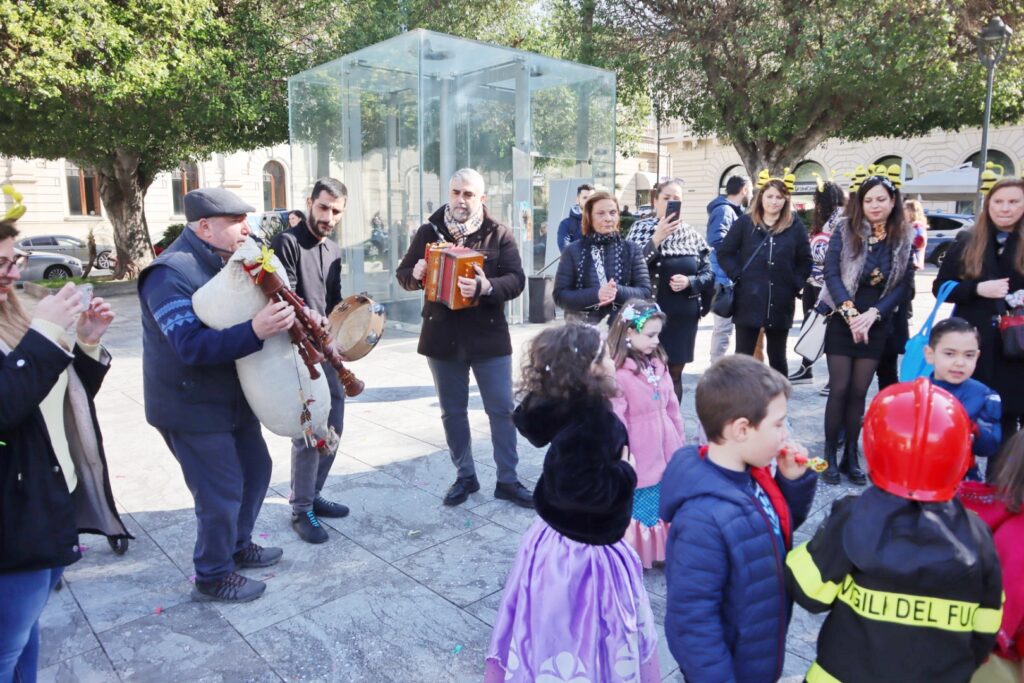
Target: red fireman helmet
x,y
917,441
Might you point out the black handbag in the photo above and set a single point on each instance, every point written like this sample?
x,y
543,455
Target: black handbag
x,y
723,301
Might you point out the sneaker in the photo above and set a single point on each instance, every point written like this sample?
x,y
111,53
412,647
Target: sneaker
x,y
232,588
326,508
460,490
823,391
308,527
517,493
805,375
254,556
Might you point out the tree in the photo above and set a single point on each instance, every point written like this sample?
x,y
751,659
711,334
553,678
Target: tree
x,y
778,77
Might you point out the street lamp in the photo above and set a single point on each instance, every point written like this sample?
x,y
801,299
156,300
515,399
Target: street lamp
x,y
993,42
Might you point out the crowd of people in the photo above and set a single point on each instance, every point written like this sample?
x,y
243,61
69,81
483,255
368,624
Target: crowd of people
x,y
913,583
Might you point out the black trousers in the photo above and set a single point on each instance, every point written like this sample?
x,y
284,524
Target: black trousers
x,y
775,340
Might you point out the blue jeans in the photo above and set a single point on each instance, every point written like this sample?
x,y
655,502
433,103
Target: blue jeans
x,y
494,378
228,474
23,596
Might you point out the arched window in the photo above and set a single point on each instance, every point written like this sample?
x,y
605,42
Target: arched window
x,y
273,186
83,190
996,157
736,169
806,181
906,170
184,179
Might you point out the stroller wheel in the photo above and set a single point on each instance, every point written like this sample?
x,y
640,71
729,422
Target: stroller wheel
x,y
118,545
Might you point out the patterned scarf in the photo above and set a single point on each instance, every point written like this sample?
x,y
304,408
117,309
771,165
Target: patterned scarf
x,y
595,247
460,231
683,242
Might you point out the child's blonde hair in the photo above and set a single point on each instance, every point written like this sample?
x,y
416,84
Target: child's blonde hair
x,y
633,316
1009,479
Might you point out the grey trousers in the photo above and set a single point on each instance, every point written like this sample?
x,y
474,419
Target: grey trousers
x,y
309,468
494,378
720,337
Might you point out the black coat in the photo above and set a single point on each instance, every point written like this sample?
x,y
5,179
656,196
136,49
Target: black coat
x,y
766,292
471,333
39,525
635,282
586,490
1005,375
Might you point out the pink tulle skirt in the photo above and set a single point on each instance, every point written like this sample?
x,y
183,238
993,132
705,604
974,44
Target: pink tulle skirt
x,y
648,541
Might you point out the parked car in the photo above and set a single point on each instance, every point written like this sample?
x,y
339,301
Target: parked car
x,y
70,246
942,230
42,265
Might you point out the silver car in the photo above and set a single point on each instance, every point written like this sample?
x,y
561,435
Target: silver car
x,y
45,266
69,246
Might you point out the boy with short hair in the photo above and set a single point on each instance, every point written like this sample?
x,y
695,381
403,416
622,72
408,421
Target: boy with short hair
x,y
731,525
910,578
953,349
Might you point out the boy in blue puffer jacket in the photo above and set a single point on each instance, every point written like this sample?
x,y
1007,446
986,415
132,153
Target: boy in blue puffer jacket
x,y
953,348
732,524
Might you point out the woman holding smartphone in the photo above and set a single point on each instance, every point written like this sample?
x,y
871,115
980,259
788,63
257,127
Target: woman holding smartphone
x,y
767,254
678,260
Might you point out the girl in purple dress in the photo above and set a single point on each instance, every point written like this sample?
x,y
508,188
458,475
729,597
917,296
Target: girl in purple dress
x,y
574,606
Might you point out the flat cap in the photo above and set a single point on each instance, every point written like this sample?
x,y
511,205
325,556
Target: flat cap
x,y
207,202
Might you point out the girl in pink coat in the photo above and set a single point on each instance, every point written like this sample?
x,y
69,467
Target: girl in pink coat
x,y
648,406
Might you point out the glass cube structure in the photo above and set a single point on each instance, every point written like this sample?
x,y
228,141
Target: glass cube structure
x,y
393,122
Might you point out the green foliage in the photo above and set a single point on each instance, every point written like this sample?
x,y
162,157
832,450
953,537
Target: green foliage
x,y
777,77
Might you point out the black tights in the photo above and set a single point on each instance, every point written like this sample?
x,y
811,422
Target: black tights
x,y
675,371
849,381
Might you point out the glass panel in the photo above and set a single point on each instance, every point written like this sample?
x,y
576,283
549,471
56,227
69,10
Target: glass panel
x,y
906,170
73,180
92,194
806,181
996,157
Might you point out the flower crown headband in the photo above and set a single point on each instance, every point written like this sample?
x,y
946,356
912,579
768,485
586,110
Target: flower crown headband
x,y
890,176
18,210
787,179
637,317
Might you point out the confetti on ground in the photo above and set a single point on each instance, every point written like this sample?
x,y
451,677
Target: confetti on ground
x,y
83,547
159,610
413,533
457,650
264,535
268,576
468,523
192,579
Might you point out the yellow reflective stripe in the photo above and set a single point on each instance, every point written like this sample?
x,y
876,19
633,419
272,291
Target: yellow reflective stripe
x,y
808,577
918,610
818,675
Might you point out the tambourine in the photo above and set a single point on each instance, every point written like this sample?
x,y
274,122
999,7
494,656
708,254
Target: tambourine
x,y
356,325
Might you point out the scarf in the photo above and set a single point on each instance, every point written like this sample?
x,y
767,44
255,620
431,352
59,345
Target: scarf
x,y
595,247
460,231
683,242
851,267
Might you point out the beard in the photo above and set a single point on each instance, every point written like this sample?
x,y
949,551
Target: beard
x,y
461,214
322,229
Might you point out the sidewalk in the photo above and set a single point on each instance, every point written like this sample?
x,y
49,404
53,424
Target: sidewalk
x,y
405,590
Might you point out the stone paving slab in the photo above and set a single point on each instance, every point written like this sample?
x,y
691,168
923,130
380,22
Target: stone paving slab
x,y
405,590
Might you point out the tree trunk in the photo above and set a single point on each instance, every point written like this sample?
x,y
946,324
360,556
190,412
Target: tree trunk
x,y
761,154
123,189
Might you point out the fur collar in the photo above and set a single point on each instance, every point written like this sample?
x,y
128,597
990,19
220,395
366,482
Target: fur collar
x,y
852,266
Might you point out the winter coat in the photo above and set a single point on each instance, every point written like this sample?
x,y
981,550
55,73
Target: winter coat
x,y
913,590
721,215
635,282
727,602
570,229
470,333
1008,533
766,293
586,489
655,426
1005,375
39,519
985,410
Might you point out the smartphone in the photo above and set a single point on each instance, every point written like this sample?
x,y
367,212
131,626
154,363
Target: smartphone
x,y
674,208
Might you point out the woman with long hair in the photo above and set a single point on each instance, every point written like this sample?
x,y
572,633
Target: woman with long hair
x,y
868,273
988,263
602,271
828,209
52,468
678,259
767,255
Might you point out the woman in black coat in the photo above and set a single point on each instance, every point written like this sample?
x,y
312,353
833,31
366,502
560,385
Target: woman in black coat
x,y
988,263
767,254
53,480
678,261
602,271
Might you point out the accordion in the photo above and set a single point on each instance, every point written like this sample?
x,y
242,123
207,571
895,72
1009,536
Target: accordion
x,y
445,264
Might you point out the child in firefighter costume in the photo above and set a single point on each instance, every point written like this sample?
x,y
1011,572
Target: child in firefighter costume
x,y
911,578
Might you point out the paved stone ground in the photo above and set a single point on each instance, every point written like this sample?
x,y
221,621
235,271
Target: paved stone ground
x,y
406,589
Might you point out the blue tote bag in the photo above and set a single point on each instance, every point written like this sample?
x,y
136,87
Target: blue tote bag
x,y
913,364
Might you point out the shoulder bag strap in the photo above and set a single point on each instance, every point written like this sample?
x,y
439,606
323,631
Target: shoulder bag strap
x,y
751,259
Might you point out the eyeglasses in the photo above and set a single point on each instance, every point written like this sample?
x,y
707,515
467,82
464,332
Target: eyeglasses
x,y
7,265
